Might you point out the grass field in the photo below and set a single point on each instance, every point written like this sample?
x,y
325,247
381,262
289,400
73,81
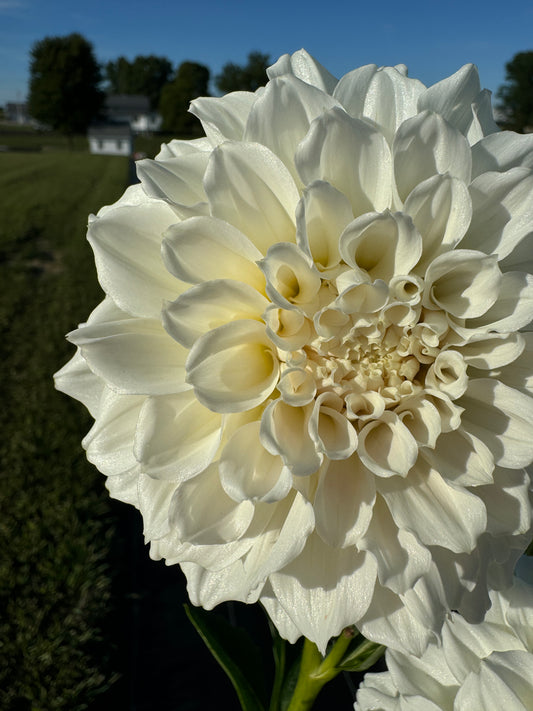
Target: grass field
x,y
55,522
19,138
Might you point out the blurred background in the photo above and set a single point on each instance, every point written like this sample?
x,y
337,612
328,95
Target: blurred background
x,y
87,620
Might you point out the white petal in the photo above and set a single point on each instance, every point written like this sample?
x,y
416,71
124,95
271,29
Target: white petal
x,y
127,243
513,308
378,693
234,367
124,487
518,373
382,244
502,212
281,539
288,329
332,433
292,278
282,622
421,418
178,147
322,214
464,283
176,436
438,513
461,458
483,122
441,209
248,471
424,678
504,680
507,502
365,298
204,249
425,145
208,588
297,387
448,374
502,418
343,502
401,559
78,381
281,116
209,305
109,443
452,97
388,621
285,431
502,151
154,502
202,512
492,350
384,95
366,179
224,117
305,67
178,181
249,187
335,584
387,447
133,356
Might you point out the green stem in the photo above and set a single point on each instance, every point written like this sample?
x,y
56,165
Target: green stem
x,y
315,671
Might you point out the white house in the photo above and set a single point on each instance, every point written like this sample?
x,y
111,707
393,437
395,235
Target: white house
x,y
111,139
135,109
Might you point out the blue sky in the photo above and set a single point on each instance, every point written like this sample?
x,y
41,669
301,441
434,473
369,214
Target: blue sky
x,y
433,38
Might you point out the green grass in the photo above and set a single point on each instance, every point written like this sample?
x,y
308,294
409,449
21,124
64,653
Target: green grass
x,y
22,138
55,526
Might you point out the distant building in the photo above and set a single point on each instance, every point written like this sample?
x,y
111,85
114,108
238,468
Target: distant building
x,y
111,139
17,112
133,108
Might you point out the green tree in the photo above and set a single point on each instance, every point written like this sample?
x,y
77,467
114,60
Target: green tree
x,y
64,83
191,80
516,95
248,77
144,75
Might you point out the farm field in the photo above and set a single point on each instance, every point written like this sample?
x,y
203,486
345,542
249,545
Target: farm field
x,y
56,522
20,138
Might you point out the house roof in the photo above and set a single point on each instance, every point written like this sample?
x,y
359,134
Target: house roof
x,y
127,103
110,130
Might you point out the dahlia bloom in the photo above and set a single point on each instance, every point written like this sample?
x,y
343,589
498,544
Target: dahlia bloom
x,y
309,371
486,666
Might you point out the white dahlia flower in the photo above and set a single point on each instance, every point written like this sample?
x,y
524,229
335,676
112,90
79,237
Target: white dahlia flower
x,y
486,666
309,371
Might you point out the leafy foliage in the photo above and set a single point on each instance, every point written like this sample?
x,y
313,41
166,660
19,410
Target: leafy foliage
x,y
144,75
191,80
248,77
516,95
64,81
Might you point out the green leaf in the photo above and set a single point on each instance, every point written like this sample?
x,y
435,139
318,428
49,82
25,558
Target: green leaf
x,y
279,654
236,653
364,656
289,684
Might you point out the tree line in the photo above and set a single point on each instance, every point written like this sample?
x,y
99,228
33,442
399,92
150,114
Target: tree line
x,y
66,80
68,86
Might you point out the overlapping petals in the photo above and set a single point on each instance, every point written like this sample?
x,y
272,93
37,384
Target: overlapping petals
x,y
485,666
312,368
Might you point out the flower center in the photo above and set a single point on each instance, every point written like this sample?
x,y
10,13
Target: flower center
x,y
358,364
